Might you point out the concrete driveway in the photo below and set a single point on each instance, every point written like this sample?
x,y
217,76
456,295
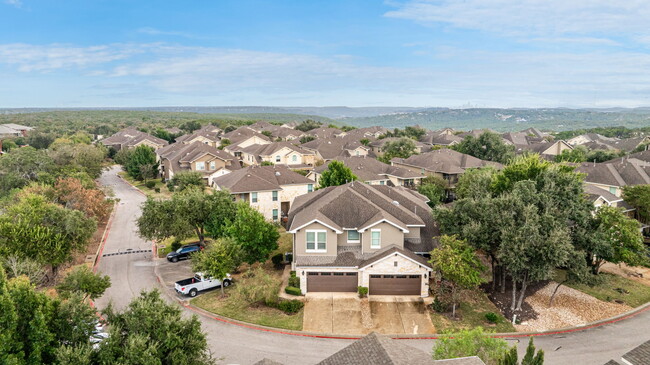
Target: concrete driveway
x,y
170,273
341,313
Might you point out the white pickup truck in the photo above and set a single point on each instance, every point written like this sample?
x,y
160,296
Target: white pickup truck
x,y
194,285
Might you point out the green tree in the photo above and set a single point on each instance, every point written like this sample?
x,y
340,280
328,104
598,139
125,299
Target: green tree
x,y
267,133
186,179
150,331
188,212
434,188
79,157
488,146
617,238
256,237
638,196
305,139
577,154
224,142
40,140
141,163
26,164
511,357
457,265
82,280
475,183
8,145
402,148
336,174
218,260
308,125
190,126
364,141
473,342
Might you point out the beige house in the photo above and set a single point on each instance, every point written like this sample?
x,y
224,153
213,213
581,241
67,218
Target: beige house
x,y
131,138
278,153
269,189
209,135
545,149
361,235
373,172
612,176
331,148
196,156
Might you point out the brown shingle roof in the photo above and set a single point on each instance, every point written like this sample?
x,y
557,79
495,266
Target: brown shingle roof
x,y
370,169
130,137
180,153
259,178
445,161
640,355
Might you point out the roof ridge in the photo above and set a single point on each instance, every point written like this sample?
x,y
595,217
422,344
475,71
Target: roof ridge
x,y
615,174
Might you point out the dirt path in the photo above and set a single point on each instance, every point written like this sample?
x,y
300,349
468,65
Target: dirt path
x,y
570,308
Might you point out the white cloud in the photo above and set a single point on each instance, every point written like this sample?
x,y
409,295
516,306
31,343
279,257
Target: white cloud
x,y
157,32
16,3
532,18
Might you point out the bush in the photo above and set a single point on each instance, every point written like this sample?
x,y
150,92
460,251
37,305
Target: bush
x,y
439,306
170,186
150,184
157,190
289,257
363,291
277,259
291,290
294,281
292,274
290,306
176,244
492,317
257,286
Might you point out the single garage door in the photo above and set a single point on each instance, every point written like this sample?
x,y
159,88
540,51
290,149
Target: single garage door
x,y
332,281
395,284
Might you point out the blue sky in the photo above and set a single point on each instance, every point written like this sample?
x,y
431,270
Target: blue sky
x,y
488,53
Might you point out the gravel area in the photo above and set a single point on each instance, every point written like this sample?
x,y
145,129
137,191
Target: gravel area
x,y
570,308
366,315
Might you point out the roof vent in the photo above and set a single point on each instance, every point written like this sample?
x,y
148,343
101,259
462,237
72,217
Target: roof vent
x,y
277,173
395,202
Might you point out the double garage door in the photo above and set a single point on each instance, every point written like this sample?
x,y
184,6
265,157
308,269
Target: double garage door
x,y
395,284
332,282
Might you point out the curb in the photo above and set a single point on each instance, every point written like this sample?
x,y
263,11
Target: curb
x,y
132,186
107,230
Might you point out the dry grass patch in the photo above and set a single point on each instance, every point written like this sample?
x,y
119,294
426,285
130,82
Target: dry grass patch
x,y
470,314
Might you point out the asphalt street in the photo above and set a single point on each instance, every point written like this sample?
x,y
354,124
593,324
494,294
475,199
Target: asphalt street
x,y
133,272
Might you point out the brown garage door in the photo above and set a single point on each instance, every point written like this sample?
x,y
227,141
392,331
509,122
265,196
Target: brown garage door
x,y
332,281
395,284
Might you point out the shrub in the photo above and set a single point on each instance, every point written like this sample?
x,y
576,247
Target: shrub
x,y
291,290
257,286
439,306
170,186
176,244
363,291
492,317
290,306
150,184
292,274
157,190
289,257
294,281
277,259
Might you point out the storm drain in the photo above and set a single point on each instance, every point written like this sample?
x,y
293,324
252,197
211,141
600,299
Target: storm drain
x,y
129,251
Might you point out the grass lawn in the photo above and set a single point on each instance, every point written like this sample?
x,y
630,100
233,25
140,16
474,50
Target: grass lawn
x,y
634,293
471,312
265,316
164,192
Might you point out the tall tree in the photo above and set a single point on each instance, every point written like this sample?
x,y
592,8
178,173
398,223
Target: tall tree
x,y
83,281
185,179
488,146
433,188
218,260
336,174
308,125
638,196
402,148
457,265
141,163
256,237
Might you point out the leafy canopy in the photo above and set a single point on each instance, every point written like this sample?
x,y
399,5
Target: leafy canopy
x,y
336,174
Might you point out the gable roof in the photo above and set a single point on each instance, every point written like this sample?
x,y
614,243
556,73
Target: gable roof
x,y
273,147
639,355
445,161
180,153
370,169
241,134
621,172
259,178
376,349
130,137
330,148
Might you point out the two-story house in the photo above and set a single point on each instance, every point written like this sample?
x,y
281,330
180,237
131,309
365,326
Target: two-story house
x,y
616,174
208,134
269,189
278,153
362,235
196,156
241,138
131,138
331,148
373,172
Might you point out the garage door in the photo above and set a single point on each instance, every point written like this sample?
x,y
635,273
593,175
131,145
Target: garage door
x,y
332,282
395,284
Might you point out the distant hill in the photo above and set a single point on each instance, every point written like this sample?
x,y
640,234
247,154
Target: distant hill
x,y
557,119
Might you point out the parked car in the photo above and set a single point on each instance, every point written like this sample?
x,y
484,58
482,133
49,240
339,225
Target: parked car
x,y
184,252
194,285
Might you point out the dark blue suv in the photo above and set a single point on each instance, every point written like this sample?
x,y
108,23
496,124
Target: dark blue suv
x,y
184,252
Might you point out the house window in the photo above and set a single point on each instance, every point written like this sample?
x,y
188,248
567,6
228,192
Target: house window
x,y
200,166
277,158
253,197
382,182
356,153
310,188
275,196
316,241
375,238
213,165
612,190
275,214
353,236
294,158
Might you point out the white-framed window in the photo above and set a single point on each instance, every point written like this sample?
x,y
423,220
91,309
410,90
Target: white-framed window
x,y
200,165
375,238
213,165
294,158
382,182
275,196
353,236
316,241
310,188
356,152
253,197
275,214
612,190
278,158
